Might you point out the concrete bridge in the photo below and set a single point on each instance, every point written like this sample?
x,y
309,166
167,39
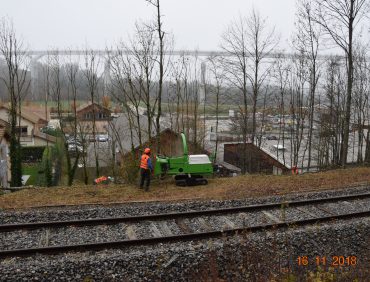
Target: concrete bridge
x,y
36,55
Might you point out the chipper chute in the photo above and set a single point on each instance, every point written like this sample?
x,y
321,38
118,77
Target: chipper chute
x,y
188,169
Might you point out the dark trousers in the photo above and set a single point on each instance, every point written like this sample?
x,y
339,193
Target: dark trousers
x,y
144,176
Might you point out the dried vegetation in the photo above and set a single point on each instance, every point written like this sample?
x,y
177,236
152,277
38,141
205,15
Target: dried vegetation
x,y
218,189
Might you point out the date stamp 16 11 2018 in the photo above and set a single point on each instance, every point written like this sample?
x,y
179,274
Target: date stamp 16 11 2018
x,y
333,261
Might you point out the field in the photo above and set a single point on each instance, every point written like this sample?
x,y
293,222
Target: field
x,y
218,189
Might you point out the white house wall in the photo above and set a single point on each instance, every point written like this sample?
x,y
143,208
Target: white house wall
x,y
4,115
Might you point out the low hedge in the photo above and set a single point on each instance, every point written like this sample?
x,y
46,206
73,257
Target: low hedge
x,y
32,154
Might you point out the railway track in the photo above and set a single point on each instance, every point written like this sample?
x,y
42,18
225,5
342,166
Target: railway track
x,y
54,237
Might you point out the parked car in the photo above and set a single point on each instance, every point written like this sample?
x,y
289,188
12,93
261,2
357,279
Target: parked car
x,y
271,137
75,146
72,139
102,138
91,138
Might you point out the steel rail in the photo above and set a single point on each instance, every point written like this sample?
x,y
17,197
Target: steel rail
x,y
189,214
176,238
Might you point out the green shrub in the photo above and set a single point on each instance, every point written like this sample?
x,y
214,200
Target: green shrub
x,y
48,163
130,169
45,177
53,132
32,154
59,163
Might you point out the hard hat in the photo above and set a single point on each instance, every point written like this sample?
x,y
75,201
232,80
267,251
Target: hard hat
x,y
147,151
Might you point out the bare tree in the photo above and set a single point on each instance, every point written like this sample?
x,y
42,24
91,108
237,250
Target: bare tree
x,y
92,64
12,49
331,120
175,93
46,89
186,99
55,76
361,100
307,43
83,135
161,34
179,98
194,97
235,44
204,100
261,41
217,76
339,19
143,47
54,79
282,70
298,80
71,70
126,89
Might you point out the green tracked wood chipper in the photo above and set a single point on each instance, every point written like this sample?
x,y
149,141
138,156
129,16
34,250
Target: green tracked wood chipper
x,y
189,170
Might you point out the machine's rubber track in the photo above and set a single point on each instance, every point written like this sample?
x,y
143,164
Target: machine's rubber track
x,y
181,182
193,180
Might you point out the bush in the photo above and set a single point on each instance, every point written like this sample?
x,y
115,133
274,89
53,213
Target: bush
x,y
45,177
59,163
130,169
52,131
15,163
32,154
47,162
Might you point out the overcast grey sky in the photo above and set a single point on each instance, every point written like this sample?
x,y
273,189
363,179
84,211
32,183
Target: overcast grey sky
x,y
46,24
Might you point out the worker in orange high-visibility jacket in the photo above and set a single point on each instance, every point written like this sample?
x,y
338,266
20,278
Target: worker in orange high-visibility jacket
x,y
146,168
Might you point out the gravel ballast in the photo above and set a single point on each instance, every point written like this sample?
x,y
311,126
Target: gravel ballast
x,y
98,233
133,209
248,257
257,256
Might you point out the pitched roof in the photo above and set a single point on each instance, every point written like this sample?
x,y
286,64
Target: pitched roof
x,y
26,114
45,136
89,104
37,110
4,123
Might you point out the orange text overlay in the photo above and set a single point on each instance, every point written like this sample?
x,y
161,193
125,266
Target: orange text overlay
x,y
334,261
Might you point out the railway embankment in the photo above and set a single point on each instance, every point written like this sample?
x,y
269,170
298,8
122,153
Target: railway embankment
x,y
337,248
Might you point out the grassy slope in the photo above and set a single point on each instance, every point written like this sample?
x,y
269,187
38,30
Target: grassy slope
x,y
33,172
225,188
